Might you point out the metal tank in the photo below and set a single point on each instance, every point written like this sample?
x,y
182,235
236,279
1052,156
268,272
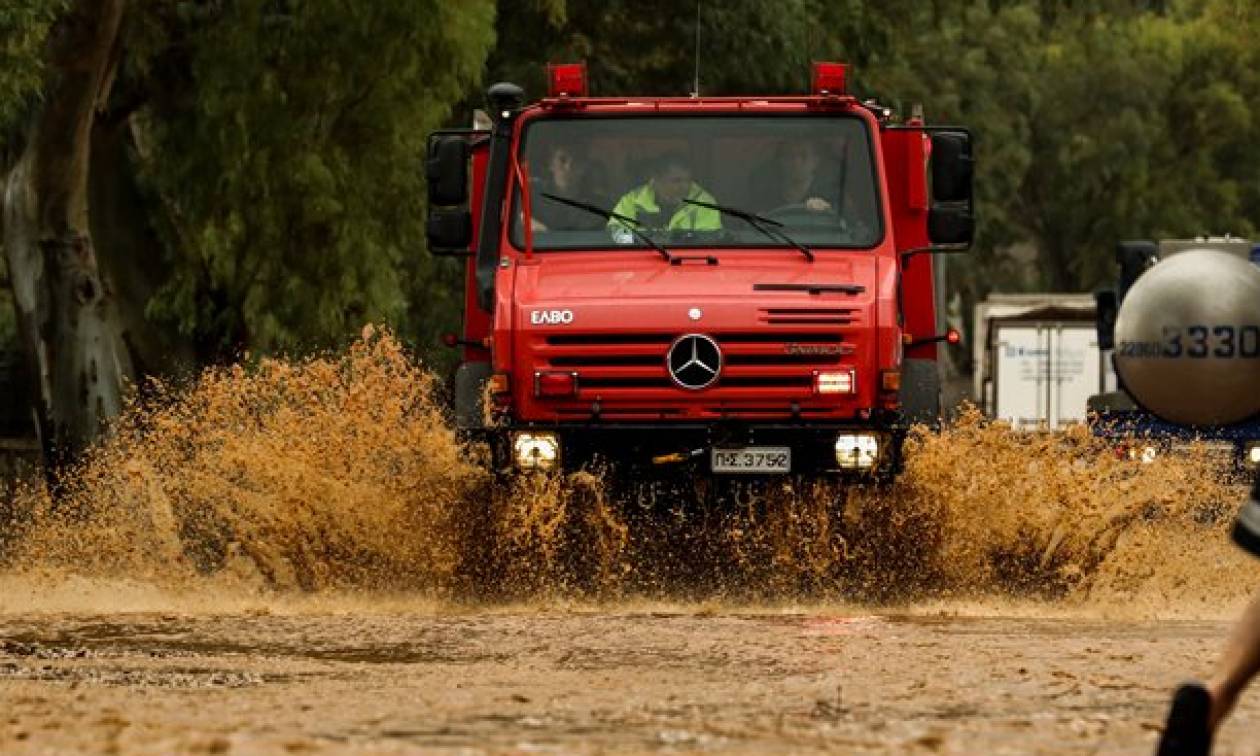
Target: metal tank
x,y
1187,338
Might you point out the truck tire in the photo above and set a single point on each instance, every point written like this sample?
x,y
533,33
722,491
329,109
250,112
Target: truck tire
x,y
470,392
921,392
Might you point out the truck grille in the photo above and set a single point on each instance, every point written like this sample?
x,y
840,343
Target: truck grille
x,y
808,316
772,362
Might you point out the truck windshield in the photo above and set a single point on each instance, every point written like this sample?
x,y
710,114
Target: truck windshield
x,y
672,177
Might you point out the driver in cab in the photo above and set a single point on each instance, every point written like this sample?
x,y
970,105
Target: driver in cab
x,y
659,204
794,180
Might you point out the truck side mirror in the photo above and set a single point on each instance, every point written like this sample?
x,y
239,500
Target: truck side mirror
x,y
447,170
449,225
449,232
1105,311
951,219
952,166
951,224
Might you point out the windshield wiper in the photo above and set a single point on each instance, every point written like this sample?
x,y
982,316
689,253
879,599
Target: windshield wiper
x,y
630,223
769,227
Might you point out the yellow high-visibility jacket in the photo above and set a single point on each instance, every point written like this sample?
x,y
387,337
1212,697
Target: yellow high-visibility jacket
x,y
640,203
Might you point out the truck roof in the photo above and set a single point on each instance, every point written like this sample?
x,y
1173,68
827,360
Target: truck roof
x,y
603,105
568,91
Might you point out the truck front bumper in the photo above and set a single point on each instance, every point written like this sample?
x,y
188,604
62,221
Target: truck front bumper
x,y
845,449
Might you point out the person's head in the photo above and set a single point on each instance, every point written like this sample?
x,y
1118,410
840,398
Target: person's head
x,y
799,159
565,167
671,178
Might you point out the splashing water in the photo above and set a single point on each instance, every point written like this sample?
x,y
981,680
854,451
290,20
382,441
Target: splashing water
x,y
340,473
330,472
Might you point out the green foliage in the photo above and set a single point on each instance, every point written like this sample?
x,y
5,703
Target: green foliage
x,y
292,163
24,25
1094,123
649,47
282,140
978,67
1142,131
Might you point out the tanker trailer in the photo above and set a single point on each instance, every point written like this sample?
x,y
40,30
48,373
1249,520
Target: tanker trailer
x,y
1184,327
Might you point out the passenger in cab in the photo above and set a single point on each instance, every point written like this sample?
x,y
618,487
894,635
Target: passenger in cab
x,y
567,171
796,178
658,204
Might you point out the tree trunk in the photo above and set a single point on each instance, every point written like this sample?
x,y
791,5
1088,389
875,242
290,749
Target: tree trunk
x,y
130,254
69,327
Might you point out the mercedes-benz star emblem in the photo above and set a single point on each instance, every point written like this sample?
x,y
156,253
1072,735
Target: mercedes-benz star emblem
x,y
694,361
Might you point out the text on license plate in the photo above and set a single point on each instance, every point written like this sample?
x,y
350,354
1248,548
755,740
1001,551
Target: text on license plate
x,y
753,459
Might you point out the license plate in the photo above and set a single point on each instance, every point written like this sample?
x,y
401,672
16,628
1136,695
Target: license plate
x,y
753,459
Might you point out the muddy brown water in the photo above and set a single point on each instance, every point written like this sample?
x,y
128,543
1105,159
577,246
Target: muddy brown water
x,y
299,556
629,678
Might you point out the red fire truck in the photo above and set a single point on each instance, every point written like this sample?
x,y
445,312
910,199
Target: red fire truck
x,y
731,286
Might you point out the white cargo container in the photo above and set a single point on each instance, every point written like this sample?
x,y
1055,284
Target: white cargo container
x,y
1039,359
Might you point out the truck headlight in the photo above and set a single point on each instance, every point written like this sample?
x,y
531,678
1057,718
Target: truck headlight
x,y
1253,453
536,450
835,382
857,451
1145,454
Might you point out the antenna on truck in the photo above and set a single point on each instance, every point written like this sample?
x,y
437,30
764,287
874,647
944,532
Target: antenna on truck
x,y
695,83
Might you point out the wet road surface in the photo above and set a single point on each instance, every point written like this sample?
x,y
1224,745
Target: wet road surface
x,y
572,680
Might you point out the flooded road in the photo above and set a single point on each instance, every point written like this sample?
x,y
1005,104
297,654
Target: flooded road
x,y
302,556
572,680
